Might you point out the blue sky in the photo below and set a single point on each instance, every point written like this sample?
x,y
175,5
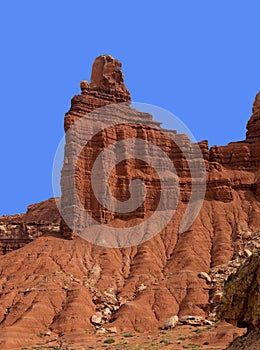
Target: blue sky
x,y
198,59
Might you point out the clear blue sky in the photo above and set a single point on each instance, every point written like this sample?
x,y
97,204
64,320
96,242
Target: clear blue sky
x,y
198,59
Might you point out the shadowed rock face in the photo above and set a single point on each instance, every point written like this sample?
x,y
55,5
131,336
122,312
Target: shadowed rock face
x,y
69,280
240,304
246,342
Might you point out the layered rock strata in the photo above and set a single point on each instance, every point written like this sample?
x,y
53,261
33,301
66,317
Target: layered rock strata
x,y
230,211
18,230
68,281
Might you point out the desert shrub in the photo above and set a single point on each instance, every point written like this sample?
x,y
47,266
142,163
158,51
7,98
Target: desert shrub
x,y
109,341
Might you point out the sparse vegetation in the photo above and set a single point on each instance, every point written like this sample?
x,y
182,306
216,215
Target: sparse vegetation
x,y
197,330
182,338
128,335
109,341
165,341
185,339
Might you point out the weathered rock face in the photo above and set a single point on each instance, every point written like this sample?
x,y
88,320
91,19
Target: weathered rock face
x,y
230,211
222,181
18,230
250,341
14,235
106,87
138,287
240,304
108,76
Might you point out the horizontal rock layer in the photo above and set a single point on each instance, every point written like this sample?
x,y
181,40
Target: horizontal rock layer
x,y
230,210
68,281
18,230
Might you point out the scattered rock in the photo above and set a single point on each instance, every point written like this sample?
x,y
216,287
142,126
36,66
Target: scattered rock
x,y
205,276
247,252
192,320
101,330
208,322
112,330
96,318
171,322
106,311
141,287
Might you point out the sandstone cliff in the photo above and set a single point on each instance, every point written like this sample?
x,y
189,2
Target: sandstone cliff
x,y
54,284
229,216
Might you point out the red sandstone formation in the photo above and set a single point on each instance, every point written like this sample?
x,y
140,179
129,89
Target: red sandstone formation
x,y
18,230
54,284
45,211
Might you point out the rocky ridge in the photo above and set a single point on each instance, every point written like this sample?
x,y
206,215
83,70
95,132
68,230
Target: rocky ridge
x,y
18,230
